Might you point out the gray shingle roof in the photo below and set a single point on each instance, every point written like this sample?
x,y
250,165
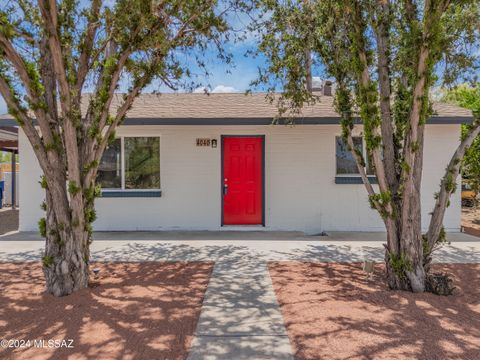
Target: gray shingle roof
x,y
236,106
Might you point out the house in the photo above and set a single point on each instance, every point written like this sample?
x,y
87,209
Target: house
x,y
214,162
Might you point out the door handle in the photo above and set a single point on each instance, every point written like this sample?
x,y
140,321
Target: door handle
x,y
225,189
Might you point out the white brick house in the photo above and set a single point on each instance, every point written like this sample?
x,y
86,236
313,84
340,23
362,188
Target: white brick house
x,y
213,162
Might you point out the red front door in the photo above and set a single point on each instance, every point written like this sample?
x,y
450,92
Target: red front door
x,y
242,180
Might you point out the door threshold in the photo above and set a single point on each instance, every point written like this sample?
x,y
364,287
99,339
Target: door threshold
x,y
243,228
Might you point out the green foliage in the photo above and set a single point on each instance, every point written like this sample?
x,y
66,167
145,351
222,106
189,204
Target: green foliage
x,y
5,157
442,240
73,188
132,43
91,165
342,38
55,145
43,182
384,57
47,261
42,227
90,215
400,265
469,97
381,201
450,182
92,192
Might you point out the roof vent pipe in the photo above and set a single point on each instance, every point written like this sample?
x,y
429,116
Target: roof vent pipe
x,y
327,88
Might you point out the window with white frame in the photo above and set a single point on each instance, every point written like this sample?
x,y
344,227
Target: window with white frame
x,y
131,163
346,164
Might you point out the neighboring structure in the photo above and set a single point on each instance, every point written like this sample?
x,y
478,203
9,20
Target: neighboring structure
x,y
9,178
212,162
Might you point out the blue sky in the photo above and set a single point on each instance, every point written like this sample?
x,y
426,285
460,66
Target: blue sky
x,y
235,77
226,78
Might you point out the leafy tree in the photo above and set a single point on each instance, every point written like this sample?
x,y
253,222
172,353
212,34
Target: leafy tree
x,y
5,157
469,97
50,53
384,56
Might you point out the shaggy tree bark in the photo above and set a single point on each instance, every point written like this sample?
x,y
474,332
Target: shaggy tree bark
x,y
399,197
398,155
383,56
48,53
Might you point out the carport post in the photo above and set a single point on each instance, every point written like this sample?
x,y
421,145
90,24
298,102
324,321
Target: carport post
x,y
14,173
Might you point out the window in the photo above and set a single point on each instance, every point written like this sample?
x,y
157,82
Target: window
x,y
142,163
109,171
346,164
131,163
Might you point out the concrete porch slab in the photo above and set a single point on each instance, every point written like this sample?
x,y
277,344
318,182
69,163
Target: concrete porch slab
x,y
215,246
230,235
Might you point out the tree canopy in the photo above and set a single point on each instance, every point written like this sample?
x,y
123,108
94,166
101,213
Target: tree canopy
x,y
61,64
384,57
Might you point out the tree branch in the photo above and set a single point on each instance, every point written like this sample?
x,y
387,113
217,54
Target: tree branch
x,y
49,12
383,48
365,86
31,88
413,149
87,45
448,185
121,112
25,122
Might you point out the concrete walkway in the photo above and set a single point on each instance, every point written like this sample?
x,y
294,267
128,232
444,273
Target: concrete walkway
x,y
240,317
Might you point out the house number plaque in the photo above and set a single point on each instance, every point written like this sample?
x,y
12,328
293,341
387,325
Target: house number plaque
x,y
203,142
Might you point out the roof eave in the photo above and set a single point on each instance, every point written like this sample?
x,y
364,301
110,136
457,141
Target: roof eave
x,y
434,120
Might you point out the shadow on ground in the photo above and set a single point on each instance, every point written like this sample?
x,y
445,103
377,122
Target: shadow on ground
x,y
333,311
8,220
132,311
239,302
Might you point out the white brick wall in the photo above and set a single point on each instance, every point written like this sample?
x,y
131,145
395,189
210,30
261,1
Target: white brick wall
x,y
300,189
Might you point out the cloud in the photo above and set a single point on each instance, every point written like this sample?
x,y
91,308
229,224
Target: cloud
x,y
217,89
224,89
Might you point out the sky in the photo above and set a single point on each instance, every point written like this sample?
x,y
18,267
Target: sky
x,y
222,78
235,77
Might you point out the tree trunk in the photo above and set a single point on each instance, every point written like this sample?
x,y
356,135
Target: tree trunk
x,y
395,280
66,258
404,250
404,272
65,270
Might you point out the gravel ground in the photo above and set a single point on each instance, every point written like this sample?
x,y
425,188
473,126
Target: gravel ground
x,y
8,220
131,311
471,220
332,311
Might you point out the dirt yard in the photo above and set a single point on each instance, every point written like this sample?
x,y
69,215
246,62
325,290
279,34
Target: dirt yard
x,y
471,220
8,220
132,311
332,311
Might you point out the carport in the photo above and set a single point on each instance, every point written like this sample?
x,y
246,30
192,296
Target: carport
x,y
9,143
